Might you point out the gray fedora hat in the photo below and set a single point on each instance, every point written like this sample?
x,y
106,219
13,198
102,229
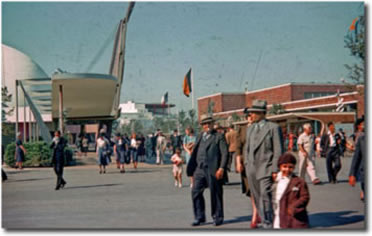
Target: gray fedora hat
x,y
258,106
206,119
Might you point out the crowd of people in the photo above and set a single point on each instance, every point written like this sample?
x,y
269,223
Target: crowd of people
x,y
257,150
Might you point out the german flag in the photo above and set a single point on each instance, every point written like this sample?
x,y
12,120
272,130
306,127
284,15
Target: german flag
x,y
187,84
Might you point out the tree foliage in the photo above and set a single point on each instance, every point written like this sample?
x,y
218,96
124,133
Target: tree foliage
x,y
6,128
355,42
276,109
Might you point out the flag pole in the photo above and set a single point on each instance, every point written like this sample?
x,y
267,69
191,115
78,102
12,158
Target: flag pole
x,y
192,88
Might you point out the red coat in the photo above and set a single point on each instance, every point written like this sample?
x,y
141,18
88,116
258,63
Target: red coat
x,y
296,197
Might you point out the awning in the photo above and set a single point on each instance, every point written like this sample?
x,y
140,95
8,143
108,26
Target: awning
x,y
85,96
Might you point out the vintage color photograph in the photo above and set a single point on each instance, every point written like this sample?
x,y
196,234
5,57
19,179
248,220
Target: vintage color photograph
x,y
193,116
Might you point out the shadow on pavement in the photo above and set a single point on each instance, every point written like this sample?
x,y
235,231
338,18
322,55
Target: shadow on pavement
x,y
133,171
93,186
26,180
329,219
238,220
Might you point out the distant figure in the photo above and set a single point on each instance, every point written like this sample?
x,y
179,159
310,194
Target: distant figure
x,y
141,147
208,165
290,196
176,141
134,144
58,146
20,153
103,152
231,137
306,154
177,161
85,145
330,149
79,144
119,149
161,145
149,147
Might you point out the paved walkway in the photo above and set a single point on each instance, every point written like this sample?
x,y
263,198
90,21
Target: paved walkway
x,y
147,199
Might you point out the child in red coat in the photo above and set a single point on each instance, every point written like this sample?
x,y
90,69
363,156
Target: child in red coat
x,y
290,196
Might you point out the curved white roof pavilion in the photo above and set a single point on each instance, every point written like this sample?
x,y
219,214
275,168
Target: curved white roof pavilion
x,y
85,95
18,66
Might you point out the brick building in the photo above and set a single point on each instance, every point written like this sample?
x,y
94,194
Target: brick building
x,y
321,100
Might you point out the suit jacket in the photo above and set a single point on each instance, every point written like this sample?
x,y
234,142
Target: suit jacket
x,y
231,140
296,197
263,150
217,154
358,158
240,140
58,151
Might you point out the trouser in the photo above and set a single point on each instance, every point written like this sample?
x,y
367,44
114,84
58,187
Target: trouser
x,y
159,157
231,158
58,169
307,164
262,194
333,162
148,153
203,180
3,175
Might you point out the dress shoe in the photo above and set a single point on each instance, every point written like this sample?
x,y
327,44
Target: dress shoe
x,y
217,222
316,182
57,187
197,222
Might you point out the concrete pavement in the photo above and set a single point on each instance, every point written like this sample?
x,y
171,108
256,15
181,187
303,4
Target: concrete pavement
x,y
147,199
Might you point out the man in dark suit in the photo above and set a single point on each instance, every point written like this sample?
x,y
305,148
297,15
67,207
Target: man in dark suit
x,y
58,145
330,144
208,165
263,147
176,141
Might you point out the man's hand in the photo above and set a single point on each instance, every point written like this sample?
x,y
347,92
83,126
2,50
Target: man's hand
x,y
219,174
239,164
290,211
352,181
305,154
274,175
239,167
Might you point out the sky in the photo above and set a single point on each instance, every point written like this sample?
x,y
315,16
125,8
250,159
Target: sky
x,y
230,47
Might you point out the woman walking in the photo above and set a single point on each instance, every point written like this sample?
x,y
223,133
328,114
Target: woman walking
x,y
103,152
20,151
188,145
134,150
119,149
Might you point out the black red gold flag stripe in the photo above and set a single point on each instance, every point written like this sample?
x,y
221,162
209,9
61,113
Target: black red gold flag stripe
x,y
187,84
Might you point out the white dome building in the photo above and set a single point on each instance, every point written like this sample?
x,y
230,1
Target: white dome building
x,y
18,66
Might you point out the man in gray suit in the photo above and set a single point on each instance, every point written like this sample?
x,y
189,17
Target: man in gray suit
x,y
208,165
263,147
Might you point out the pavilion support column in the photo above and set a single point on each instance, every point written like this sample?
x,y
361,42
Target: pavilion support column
x,y
60,111
17,118
29,125
24,117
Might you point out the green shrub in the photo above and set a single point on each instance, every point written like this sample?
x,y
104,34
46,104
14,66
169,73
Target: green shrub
x,y
38,155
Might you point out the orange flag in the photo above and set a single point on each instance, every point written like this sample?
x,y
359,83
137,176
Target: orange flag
x,y
187,84
352,26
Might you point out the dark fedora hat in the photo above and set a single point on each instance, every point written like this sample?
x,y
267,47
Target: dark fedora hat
x,y
258,106
204,119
